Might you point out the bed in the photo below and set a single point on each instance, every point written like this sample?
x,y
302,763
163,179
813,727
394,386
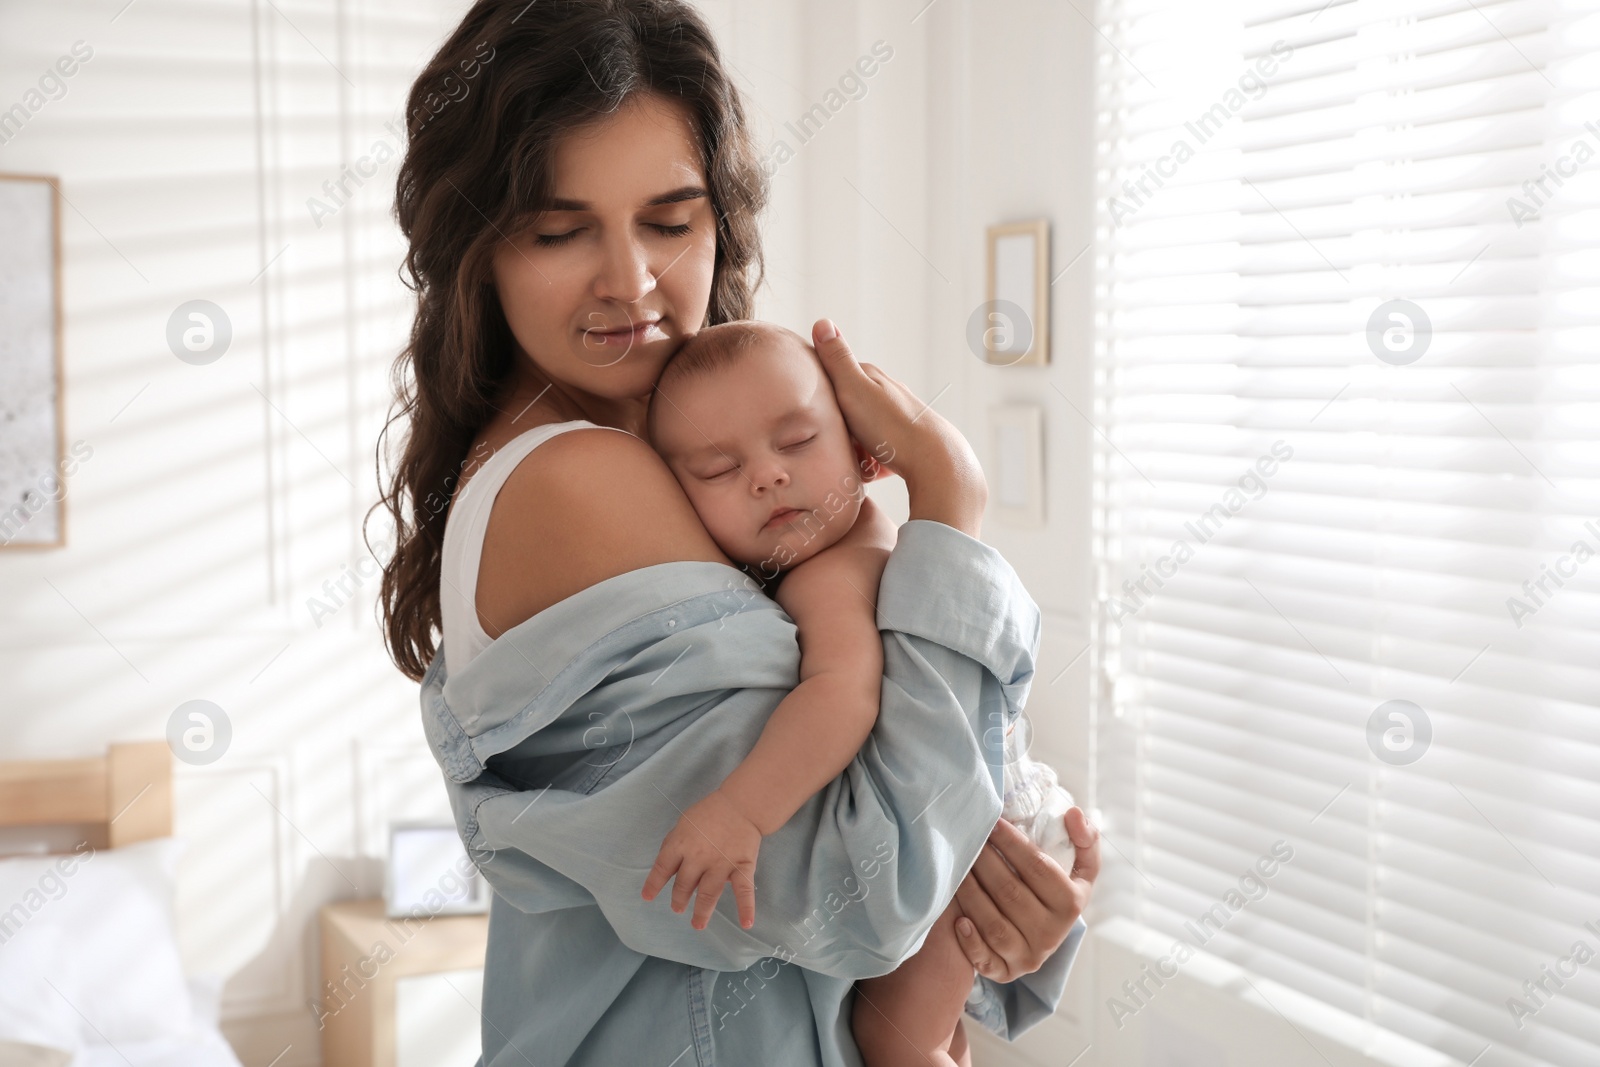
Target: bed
x,y
90,973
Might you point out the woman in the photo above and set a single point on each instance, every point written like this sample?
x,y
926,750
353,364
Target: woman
x,y
588,203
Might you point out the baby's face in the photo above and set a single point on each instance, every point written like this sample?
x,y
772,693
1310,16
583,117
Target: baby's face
x,y
762,451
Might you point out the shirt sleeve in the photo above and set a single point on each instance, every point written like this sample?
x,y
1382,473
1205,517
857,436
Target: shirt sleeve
x,y
958,600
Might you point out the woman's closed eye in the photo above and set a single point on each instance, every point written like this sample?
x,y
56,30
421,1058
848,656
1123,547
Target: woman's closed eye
x,y
550,240
547,240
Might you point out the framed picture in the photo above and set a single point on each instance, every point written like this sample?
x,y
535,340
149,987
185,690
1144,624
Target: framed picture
x,y
1018,294
430,873
32,437
1017,479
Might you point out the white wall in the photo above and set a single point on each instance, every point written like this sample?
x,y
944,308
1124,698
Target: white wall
x,y
220,498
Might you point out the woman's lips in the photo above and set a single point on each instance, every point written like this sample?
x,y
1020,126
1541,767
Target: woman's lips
x,y
783,518
643,333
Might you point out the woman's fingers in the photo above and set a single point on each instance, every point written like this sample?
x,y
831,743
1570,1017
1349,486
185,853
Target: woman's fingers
x,y
874,413
837,359
1086,842
1020,902
1042,874
1014,897
983,960
943,477
992,937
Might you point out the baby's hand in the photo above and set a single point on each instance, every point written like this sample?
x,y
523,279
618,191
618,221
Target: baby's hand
x,y
713,843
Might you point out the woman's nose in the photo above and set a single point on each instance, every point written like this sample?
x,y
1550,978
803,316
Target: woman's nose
x,y
625,274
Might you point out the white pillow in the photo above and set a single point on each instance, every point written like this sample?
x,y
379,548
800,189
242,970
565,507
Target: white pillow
x,y
98,925
32,1013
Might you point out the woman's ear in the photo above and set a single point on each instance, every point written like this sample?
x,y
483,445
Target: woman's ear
x,y
868,467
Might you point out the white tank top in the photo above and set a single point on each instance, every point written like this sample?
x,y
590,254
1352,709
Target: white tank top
x,y
463,635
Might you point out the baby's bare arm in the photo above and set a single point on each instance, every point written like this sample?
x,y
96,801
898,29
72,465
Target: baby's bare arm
x,y
820,726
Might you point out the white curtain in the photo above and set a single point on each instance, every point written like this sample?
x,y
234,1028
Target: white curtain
x,y
1348,505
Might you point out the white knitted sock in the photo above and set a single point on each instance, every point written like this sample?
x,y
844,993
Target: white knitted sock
x,y
1034,801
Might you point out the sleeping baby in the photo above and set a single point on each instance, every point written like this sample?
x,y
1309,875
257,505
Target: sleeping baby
x,y
746,419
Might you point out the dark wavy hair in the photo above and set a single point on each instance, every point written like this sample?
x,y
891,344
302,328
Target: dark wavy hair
x,y
478,165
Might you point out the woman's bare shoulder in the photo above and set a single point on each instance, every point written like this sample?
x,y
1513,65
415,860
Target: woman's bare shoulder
x,y
587,505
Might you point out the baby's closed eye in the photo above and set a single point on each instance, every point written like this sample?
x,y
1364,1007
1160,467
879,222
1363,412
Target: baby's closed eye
x,y
720,473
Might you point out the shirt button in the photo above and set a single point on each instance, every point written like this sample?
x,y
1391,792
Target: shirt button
x,y
672,623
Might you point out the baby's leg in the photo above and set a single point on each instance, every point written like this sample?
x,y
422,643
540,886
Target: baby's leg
x,y
912,1015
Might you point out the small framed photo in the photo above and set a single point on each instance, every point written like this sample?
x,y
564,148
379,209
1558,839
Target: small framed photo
x,y
431,874
33,461
1017,480
1017,307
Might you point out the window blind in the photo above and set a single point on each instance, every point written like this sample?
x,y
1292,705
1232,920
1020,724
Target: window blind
x,y
1347,517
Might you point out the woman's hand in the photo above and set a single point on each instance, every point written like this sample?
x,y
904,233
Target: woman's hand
x,y
901,433
1015,919
712,844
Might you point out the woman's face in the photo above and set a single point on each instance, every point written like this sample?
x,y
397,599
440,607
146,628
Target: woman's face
x,y
602,288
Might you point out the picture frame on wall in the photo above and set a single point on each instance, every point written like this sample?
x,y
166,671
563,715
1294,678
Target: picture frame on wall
x,y
1016,480
1017,294
32,426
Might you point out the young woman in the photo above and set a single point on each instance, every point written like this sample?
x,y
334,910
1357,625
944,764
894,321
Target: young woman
x,y
589,202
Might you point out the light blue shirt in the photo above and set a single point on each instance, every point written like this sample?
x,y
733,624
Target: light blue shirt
x,y
570,745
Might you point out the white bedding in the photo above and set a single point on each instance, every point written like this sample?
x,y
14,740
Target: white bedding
x,y
89,963
203,1046
206,1050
